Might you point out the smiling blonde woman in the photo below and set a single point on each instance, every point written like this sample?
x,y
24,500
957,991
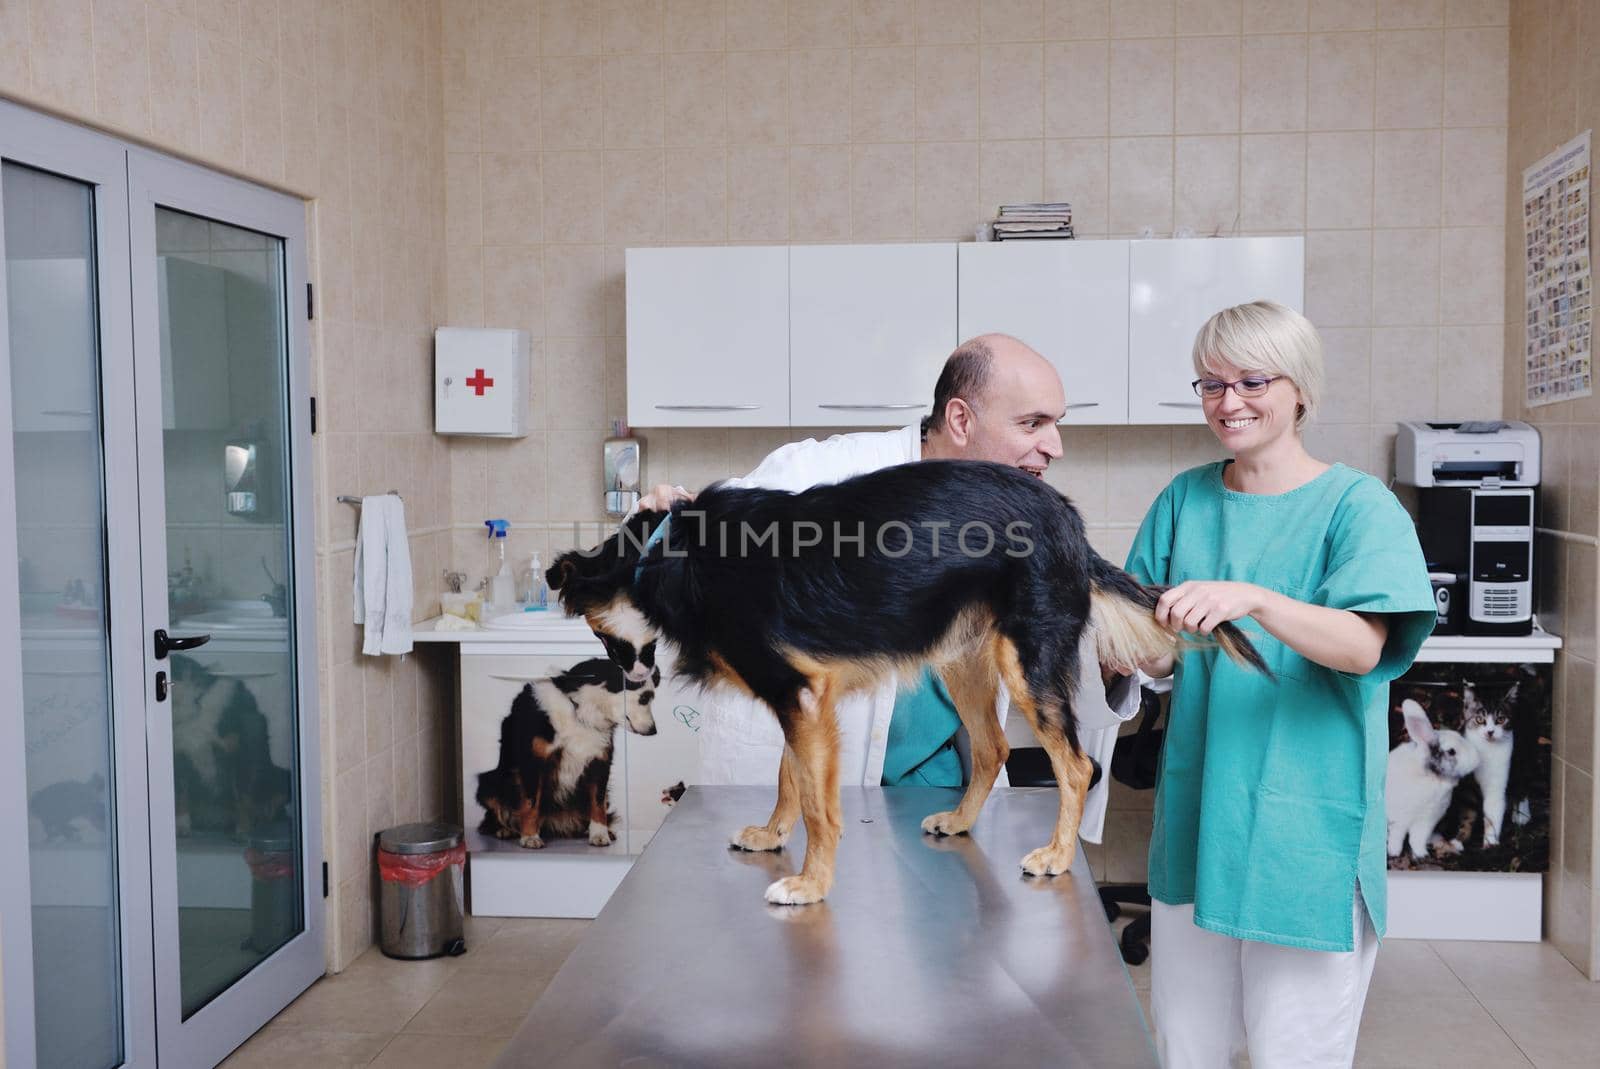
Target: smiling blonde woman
x,y
1267,858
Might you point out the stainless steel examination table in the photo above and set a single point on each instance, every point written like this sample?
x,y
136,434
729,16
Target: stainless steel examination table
x,y
928,952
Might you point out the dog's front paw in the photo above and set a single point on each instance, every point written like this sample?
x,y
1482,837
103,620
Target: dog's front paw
x,y
1047,861
945,824
531,842
505,833
758,837
600,835
799,890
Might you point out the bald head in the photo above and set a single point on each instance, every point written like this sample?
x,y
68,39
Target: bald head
x,y
969,370
999,400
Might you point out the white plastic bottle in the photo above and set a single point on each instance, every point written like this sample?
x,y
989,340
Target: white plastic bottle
x,y
502,588
538,591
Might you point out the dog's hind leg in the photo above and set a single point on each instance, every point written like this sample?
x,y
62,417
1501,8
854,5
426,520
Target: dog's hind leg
x,y
974,684
600,833
813,736
528,814
1073,769
775,834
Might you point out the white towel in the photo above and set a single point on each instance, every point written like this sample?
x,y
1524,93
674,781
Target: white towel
x,y
383,576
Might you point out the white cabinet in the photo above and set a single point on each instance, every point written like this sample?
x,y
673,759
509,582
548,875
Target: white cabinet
x,y
855,335
569,877
194,303
1066,299
870,327
1174,287
708,337
48,299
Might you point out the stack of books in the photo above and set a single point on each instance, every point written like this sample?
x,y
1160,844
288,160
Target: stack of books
x,y
1019,222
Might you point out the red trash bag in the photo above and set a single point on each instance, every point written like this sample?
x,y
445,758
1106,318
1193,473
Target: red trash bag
x,y
414,870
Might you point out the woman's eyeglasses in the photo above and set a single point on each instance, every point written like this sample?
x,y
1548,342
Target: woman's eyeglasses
x,y
1249,386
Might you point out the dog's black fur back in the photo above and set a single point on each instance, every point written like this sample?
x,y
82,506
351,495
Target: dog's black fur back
x,y
738,580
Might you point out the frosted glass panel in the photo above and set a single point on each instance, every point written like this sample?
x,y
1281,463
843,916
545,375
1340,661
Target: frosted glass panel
x,y
66,704
234,722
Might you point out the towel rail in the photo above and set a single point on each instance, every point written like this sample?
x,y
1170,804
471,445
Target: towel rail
x,y
350,499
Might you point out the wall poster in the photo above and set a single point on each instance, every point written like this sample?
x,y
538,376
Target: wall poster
x,y
1559,290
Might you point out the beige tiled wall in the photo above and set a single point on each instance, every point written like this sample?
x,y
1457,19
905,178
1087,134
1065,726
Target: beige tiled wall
x,y
575,129
339,102
1555,95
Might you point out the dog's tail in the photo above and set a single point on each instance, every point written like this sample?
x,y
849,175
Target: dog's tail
x,y
1123,612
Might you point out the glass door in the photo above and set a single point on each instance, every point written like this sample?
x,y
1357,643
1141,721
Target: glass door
x,y
72,757
234,782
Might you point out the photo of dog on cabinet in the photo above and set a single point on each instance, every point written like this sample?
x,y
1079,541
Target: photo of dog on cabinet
x,y
1469,768
553,775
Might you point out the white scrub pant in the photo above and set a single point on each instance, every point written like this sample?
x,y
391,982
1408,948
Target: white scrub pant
x,y
1213,996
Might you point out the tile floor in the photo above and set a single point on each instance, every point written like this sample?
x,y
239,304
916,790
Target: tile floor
x,y
1461,1005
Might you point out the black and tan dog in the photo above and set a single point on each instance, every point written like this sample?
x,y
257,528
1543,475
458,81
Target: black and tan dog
x,y
555,753
800,598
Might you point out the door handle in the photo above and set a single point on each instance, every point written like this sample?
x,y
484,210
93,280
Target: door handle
x,y
165,643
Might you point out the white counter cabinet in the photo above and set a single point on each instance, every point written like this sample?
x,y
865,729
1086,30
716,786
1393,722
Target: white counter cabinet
x,y
569,877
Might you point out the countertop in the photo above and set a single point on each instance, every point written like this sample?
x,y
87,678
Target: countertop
x,y
928,952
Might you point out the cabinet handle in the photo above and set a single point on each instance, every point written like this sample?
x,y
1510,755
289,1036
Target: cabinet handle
x,y
707,408
67,412
1080,404
870,408
1180,404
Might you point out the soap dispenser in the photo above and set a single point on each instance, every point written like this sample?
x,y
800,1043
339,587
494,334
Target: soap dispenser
x,y
531,588
502,590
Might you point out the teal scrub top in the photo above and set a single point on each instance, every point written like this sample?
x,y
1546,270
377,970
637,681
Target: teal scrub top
x,y
921,748
1269,805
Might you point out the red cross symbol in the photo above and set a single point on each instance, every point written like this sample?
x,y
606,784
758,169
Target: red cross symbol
x,y
479,383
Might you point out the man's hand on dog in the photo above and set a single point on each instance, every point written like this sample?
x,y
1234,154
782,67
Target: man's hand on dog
x,y
662,497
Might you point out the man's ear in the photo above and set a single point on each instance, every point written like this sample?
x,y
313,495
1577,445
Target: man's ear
x,y
959,420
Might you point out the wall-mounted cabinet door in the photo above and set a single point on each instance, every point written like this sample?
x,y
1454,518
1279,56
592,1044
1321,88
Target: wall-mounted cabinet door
x,y
1175,287
708,337
1067,299
870,327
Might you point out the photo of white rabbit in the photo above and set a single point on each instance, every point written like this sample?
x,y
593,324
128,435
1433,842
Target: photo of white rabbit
x,y
1468,772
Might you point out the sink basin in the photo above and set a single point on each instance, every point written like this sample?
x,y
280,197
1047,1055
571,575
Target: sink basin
x,y
233,618
522,621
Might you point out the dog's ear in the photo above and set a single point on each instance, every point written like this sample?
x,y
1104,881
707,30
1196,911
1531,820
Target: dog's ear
x,y
563,571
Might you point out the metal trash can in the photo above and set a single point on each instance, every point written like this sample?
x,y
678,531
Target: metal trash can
x,y
421,867
274,891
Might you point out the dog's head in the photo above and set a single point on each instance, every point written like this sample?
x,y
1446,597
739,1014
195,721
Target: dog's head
x,y
635,696
596,585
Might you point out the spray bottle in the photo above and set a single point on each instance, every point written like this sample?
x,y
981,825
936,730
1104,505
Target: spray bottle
x,y
502,590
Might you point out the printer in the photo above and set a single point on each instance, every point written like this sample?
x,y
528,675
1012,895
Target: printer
x,y
1467,454
1477,485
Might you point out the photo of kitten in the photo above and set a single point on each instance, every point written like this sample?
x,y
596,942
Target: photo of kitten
x,y
1489,811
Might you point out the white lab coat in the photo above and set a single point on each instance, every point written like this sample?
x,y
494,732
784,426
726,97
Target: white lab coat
x,y
740,742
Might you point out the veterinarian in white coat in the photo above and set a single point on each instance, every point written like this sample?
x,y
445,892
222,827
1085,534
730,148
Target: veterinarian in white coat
x,y
997,400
